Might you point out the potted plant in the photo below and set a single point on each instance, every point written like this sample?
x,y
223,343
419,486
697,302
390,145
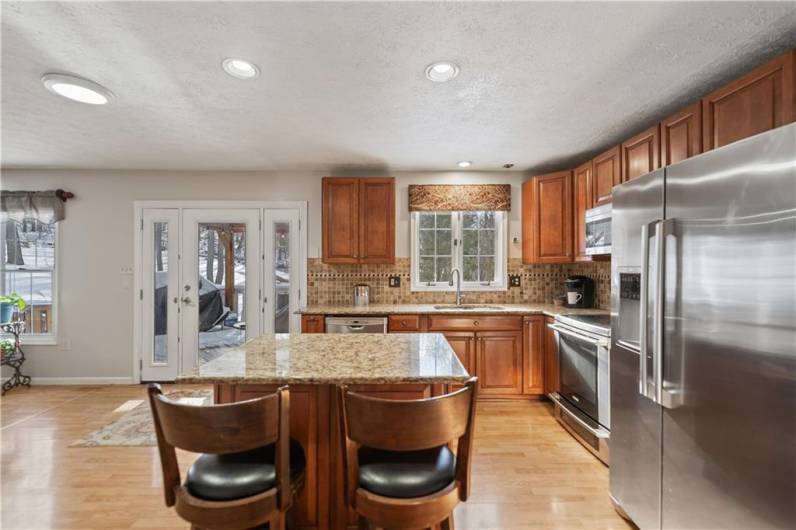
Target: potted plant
x,y
7,304
7,347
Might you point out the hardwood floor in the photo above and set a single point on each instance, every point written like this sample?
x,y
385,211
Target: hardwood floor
x,y
528,473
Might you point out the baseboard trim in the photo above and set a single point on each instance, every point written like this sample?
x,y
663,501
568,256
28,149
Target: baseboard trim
x,y
82,381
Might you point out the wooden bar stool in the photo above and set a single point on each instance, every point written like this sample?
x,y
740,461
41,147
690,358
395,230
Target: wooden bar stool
x,y
249,468
400,471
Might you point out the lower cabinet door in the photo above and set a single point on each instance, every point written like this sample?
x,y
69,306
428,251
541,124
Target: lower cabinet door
x,y
463,343
533,355
499,362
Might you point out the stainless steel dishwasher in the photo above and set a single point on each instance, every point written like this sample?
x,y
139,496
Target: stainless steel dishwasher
x,y
356,325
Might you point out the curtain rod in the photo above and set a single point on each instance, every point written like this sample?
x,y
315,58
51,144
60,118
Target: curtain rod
x,y
64,195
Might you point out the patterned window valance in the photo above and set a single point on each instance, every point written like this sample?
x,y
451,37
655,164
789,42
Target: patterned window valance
x,y
465,197
44,206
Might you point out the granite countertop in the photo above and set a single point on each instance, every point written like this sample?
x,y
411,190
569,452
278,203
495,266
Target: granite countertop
x,y
330,359
491,309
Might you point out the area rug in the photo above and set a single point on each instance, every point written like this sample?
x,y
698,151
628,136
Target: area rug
x,y
135,428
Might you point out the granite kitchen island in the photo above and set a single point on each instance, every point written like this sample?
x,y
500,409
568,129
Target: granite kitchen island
x,y
396,366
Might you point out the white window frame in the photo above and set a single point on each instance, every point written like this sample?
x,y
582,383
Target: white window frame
x,y
39,339
501,256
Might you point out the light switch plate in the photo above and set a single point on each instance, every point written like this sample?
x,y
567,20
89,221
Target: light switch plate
x,y
514,280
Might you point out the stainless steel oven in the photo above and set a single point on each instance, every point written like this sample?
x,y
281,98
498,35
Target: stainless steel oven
x,y
583,397
598,230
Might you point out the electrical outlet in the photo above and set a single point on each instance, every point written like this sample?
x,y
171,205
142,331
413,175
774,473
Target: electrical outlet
x,y
514,280
395,281
125,270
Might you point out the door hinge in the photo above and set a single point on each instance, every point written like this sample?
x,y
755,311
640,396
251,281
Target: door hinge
x,y
299,225
260,224
142,224
141,364
299,294
141,294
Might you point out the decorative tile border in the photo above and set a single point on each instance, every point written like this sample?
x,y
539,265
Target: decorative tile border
x,y
334,284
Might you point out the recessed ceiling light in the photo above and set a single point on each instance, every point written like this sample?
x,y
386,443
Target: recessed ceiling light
x,y
77,89
240,68
465,163
441,71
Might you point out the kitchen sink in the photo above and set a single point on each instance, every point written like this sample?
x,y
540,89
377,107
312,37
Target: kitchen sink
x,y
466,307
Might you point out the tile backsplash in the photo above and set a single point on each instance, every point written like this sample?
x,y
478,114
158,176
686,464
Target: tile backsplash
x,y
334,284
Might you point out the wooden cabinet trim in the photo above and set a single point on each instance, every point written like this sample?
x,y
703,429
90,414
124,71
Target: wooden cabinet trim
x,y
640,154
313,323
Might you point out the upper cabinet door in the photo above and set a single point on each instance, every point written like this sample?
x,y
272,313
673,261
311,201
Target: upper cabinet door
x,y
640,154
761,100
547,223
582,184
377,220
340,220
606,174
681,135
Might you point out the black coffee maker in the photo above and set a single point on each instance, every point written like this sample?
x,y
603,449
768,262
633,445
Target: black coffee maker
x,y
579,292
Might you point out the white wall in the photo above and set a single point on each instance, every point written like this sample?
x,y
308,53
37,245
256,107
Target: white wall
x,y
95,310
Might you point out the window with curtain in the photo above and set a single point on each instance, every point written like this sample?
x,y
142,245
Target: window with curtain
x,y
28,252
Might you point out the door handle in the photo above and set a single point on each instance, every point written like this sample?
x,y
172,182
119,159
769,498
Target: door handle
x,y
643,376
186,300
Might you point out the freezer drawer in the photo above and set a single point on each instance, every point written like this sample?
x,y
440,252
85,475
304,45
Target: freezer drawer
x,y
356,325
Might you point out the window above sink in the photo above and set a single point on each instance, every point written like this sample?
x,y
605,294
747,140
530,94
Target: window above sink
x,y
475,242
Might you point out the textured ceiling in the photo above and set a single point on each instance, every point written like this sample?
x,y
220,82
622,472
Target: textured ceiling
x,y
342,85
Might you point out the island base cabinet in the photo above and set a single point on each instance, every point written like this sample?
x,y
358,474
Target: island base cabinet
x,y
499,363
315,424
463,343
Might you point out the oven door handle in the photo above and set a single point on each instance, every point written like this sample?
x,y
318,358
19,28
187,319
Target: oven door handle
x,y
585,338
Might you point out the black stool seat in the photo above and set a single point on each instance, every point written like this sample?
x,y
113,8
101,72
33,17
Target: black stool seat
x,y
238,475
406,474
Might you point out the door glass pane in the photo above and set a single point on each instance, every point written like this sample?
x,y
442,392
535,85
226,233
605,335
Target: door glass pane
x,y
282,277
161,287
222,288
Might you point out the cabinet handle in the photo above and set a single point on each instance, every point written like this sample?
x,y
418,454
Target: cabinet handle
x,y
403,323
475,322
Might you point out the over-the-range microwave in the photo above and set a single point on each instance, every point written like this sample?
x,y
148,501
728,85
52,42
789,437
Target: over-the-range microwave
x,y
598,230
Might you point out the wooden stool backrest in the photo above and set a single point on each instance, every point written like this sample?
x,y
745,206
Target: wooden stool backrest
x,y
221,429
408,425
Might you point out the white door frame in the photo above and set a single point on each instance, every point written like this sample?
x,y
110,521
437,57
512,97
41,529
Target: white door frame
x,y
140,206
290,216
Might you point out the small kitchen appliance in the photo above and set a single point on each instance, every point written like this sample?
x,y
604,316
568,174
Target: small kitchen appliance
x,y
579,292
361,295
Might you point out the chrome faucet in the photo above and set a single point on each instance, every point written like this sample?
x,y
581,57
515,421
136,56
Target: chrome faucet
x,y
459,295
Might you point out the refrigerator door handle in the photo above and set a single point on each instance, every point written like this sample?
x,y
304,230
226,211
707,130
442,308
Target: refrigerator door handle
x,y
657,317
668,398
643,376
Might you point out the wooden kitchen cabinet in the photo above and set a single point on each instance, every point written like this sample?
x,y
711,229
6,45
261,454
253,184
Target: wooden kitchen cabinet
x,y
313,324
607,173
377,220
547,218
405,323
533,347
551,380
358,220
681,135
759,101
641,154
463,343
499,362
582,201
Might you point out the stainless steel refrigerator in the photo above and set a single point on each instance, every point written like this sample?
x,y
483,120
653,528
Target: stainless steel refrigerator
x,y
703,340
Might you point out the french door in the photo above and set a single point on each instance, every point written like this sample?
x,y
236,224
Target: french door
x,y
212,278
